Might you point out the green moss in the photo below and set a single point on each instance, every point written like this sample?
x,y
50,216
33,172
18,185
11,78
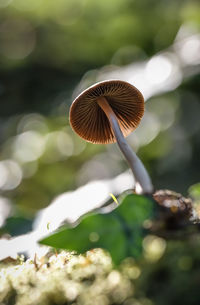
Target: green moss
x,y
65,279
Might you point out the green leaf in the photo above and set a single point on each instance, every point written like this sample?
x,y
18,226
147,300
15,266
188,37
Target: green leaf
x,y
17,225
120,232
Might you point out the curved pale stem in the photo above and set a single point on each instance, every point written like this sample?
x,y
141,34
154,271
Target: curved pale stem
x,y
137,167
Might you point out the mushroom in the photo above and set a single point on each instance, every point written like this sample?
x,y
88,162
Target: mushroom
x,y
107,112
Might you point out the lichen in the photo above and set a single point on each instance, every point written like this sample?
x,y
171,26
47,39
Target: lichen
x,y
65,278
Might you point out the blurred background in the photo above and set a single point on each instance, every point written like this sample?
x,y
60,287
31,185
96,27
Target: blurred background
x,y
50,51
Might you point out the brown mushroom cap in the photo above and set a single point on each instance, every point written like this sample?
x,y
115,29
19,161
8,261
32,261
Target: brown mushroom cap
x,y
91,123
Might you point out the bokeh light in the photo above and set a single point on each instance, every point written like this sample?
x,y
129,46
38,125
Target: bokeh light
x,y
154,247
59,145
5,209
32,121
17,38
28,146
158,69
10,175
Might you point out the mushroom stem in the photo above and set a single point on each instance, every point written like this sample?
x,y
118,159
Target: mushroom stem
x,y
137,167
